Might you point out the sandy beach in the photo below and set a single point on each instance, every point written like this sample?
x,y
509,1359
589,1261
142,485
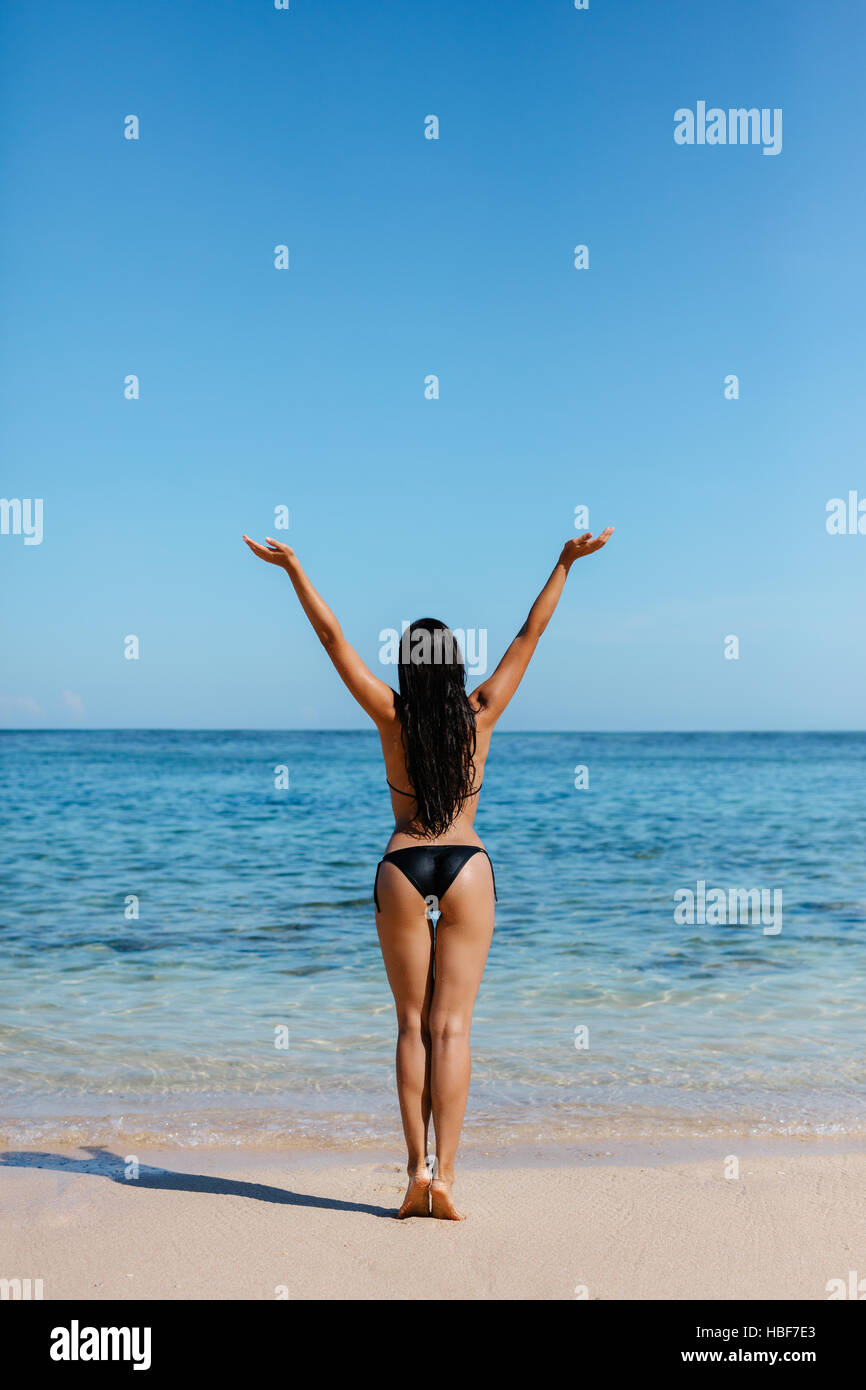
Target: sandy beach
x,y
209,1224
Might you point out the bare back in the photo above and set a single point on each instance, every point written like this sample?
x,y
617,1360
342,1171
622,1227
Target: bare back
x,y
461,831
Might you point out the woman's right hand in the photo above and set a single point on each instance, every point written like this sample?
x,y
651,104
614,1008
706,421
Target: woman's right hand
x,y
587,544
274,552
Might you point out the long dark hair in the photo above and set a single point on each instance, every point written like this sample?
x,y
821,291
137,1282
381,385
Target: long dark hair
x,y
438,724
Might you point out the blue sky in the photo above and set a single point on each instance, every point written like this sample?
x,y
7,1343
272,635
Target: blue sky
x,y
409,256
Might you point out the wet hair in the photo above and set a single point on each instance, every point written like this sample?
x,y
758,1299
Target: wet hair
x,y
438,724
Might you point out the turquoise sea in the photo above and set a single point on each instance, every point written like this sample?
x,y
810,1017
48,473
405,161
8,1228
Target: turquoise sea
x,y
168,913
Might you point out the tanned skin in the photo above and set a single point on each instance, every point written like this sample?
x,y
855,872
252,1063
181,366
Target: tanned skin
x,y
434,1014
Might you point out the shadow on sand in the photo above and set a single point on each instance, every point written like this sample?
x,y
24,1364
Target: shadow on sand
x,y
104,1164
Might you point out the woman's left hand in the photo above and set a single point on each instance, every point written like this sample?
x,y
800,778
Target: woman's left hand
x,y
273,552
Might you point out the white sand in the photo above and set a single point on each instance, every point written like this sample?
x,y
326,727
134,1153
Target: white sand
x,y
240,1225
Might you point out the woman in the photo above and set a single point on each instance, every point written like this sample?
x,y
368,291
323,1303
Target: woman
x,y
435,739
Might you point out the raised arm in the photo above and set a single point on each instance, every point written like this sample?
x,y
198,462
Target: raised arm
x,y
373,695
494,693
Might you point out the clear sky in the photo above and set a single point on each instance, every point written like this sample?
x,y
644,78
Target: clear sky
x,y
559,387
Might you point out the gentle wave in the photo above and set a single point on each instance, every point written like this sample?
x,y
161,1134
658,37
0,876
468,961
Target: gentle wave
x,y
255,916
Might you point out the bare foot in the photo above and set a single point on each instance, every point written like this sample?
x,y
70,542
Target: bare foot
x,y
417,1199
441,1204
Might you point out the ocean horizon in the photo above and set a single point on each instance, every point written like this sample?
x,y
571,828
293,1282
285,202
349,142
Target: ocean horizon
x,y
188,952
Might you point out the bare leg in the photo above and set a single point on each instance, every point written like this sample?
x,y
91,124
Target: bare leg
x,y
463,936
406,938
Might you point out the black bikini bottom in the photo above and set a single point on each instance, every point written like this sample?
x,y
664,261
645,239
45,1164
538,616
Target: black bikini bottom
x,y
431,868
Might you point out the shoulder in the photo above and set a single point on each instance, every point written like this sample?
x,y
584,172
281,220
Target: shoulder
x,y
480,708
388,717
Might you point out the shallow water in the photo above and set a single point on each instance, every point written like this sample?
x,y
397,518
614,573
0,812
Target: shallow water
x,y
255,913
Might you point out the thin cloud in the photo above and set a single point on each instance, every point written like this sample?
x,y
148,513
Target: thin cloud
x,y
74,703
19,704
